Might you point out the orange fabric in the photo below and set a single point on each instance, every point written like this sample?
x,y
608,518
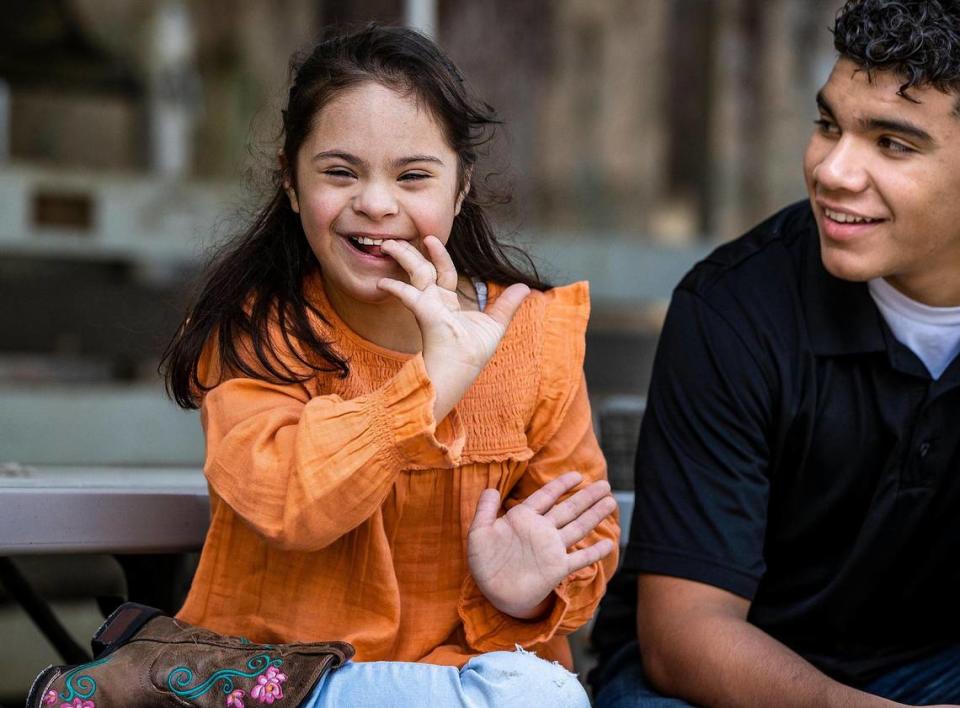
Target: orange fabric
x,y
340,508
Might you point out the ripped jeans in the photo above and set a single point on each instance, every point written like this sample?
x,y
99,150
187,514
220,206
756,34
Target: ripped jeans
x,y
511,679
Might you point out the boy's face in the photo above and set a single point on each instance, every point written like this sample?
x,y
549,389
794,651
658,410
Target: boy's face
x,y
883,175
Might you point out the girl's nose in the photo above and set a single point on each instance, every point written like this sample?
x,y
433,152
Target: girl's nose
x,y
375,200
843,168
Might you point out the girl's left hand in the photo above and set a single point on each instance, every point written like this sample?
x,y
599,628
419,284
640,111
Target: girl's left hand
x,y
519,558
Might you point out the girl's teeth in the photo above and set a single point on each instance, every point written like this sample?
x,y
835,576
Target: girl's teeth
x,y
370,246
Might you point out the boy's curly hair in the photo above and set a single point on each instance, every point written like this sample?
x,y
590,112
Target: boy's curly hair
x,y
918,40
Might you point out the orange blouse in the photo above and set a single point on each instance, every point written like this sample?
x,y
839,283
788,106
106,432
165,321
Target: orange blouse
x,y
340,508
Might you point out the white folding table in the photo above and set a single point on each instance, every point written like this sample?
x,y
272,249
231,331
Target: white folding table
x,y
46,510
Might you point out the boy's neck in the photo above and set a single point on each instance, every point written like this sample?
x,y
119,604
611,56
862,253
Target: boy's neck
x,y
933,289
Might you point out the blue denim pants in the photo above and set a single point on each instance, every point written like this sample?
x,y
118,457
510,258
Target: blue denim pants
x,y
932,680
508,679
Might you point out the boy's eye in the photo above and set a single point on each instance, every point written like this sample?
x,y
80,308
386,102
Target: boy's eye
x,y
827,127
894,146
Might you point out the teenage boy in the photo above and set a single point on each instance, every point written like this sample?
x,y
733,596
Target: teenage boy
x,y
796,533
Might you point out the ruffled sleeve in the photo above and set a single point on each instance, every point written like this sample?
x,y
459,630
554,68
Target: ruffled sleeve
x,y
302,470
560,434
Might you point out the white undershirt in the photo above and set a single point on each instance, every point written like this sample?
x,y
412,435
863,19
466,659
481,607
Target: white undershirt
x,y
932,333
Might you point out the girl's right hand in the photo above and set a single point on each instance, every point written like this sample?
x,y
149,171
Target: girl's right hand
x,y
457,343
517,559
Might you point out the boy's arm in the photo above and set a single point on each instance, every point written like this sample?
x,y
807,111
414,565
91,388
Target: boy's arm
x,y
697,645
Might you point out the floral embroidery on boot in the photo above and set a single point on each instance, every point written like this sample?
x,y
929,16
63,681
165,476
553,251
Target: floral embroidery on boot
x,y
79,703
268,687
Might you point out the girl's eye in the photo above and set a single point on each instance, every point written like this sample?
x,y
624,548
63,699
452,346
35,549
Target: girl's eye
x,y
827,127
894,146
413,176
338,172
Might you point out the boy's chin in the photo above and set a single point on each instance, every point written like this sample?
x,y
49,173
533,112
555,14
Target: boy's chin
x,y
848,266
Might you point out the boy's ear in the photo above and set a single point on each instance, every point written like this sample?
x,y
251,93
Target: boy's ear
x,y
288,182
464,191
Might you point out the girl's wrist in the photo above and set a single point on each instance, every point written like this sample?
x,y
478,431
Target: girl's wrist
x,y
449,386
533,613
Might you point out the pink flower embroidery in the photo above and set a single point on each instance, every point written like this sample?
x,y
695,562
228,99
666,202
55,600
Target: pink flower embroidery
x,y
235,699
268,687
78,703
50,697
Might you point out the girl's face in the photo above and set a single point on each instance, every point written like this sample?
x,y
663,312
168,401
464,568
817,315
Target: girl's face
x,y
375,165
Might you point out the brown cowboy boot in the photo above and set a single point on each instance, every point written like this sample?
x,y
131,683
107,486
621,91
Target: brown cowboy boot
x,y
144,659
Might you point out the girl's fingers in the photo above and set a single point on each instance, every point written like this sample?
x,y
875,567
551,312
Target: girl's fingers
x,y
542,500
404,292
446,271
569,509
487,508
421,271
586,522
589,555
505,307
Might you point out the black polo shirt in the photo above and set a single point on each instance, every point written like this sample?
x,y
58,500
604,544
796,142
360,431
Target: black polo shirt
x,y
795,453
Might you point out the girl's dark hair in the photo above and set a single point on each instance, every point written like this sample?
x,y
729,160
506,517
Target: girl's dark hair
x,y
916,39
258,278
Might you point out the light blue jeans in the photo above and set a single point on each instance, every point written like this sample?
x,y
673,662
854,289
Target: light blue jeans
x,y
501,679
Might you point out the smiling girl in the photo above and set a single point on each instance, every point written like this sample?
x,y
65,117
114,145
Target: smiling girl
x,y
398,437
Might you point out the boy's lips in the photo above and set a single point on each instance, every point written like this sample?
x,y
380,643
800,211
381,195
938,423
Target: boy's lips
x,y
847,217
841,224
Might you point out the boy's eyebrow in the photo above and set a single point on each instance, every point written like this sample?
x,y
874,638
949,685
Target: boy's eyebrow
x,y
869,124
823,105
897,126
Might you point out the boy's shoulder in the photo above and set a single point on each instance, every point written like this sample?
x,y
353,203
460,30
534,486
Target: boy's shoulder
x,y
762,259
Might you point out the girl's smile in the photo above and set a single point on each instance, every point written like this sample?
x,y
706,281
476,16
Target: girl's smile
x,y
369,244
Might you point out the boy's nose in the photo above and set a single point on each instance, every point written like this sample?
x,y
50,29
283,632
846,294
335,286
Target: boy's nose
x,y
842,168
